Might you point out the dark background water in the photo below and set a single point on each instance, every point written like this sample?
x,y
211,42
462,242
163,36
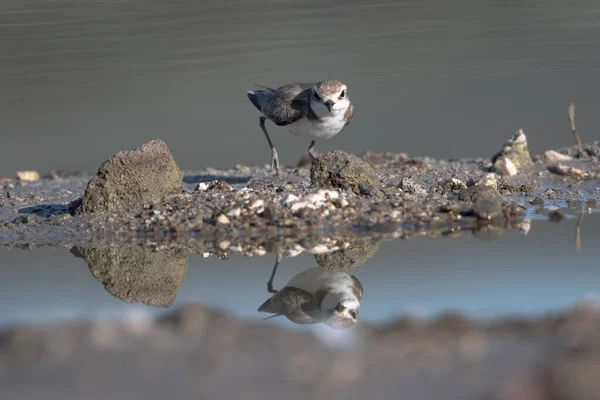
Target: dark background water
x,y
81,80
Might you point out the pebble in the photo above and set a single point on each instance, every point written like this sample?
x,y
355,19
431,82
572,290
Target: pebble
x,y
505,166
28,176
222,219
235,213
552,155
256,204
565,170
289,199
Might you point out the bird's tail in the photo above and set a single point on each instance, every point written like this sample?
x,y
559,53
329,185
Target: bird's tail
x,y
260,97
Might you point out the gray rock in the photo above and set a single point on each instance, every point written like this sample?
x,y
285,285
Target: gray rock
x,y
338,169
479,193
132,178
135,276
353,256
487,210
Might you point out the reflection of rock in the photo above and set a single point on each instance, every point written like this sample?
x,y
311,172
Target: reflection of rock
x,y
338,169
488,233
135,275
131,179
351,257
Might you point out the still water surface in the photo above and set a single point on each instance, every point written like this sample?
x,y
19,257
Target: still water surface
x,y
81,80
513,274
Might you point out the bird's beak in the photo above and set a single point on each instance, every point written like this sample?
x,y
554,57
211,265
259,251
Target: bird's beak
x,y
329,104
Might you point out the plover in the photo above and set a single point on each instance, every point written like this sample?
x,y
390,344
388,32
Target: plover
x,y
316,295
315,111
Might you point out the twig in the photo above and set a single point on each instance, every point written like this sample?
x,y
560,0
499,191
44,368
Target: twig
x,y
573,130
578,232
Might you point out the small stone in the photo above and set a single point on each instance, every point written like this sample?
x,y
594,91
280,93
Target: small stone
x,y
224,244
505,166
289,199
235,213
28,176
554,156
222,219
487,210
256,204
201,187
565,170
592,203
299,205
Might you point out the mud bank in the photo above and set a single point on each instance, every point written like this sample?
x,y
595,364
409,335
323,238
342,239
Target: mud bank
x,y
211,355
249,206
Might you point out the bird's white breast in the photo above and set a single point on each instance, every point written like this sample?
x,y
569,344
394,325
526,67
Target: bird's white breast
x,y
316,278
322,129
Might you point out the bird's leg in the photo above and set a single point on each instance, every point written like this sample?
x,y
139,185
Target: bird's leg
x,y
270,282
274,157
311,151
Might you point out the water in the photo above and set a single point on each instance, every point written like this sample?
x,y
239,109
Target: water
x,y
80,81
514,274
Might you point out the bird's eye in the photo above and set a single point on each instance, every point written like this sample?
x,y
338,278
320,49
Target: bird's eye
x,y
353,313
316,96
343,94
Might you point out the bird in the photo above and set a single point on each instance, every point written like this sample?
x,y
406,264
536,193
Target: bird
x,y
316,295
315,111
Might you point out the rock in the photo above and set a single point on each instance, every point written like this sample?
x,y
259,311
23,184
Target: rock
x,y
134,275
28,176
130,179
555,156
409,186
338,169
515,150
480,193
565,170
487,209
504,166
351,257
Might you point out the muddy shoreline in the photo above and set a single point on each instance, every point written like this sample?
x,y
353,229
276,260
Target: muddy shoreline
x,y
248,208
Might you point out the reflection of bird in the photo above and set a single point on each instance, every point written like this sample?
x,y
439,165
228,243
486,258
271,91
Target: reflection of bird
x,y
316,111
317,295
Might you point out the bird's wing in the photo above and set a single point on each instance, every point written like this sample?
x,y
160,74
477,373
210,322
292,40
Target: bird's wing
x,y
349,114
357,289
289,103
296,304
